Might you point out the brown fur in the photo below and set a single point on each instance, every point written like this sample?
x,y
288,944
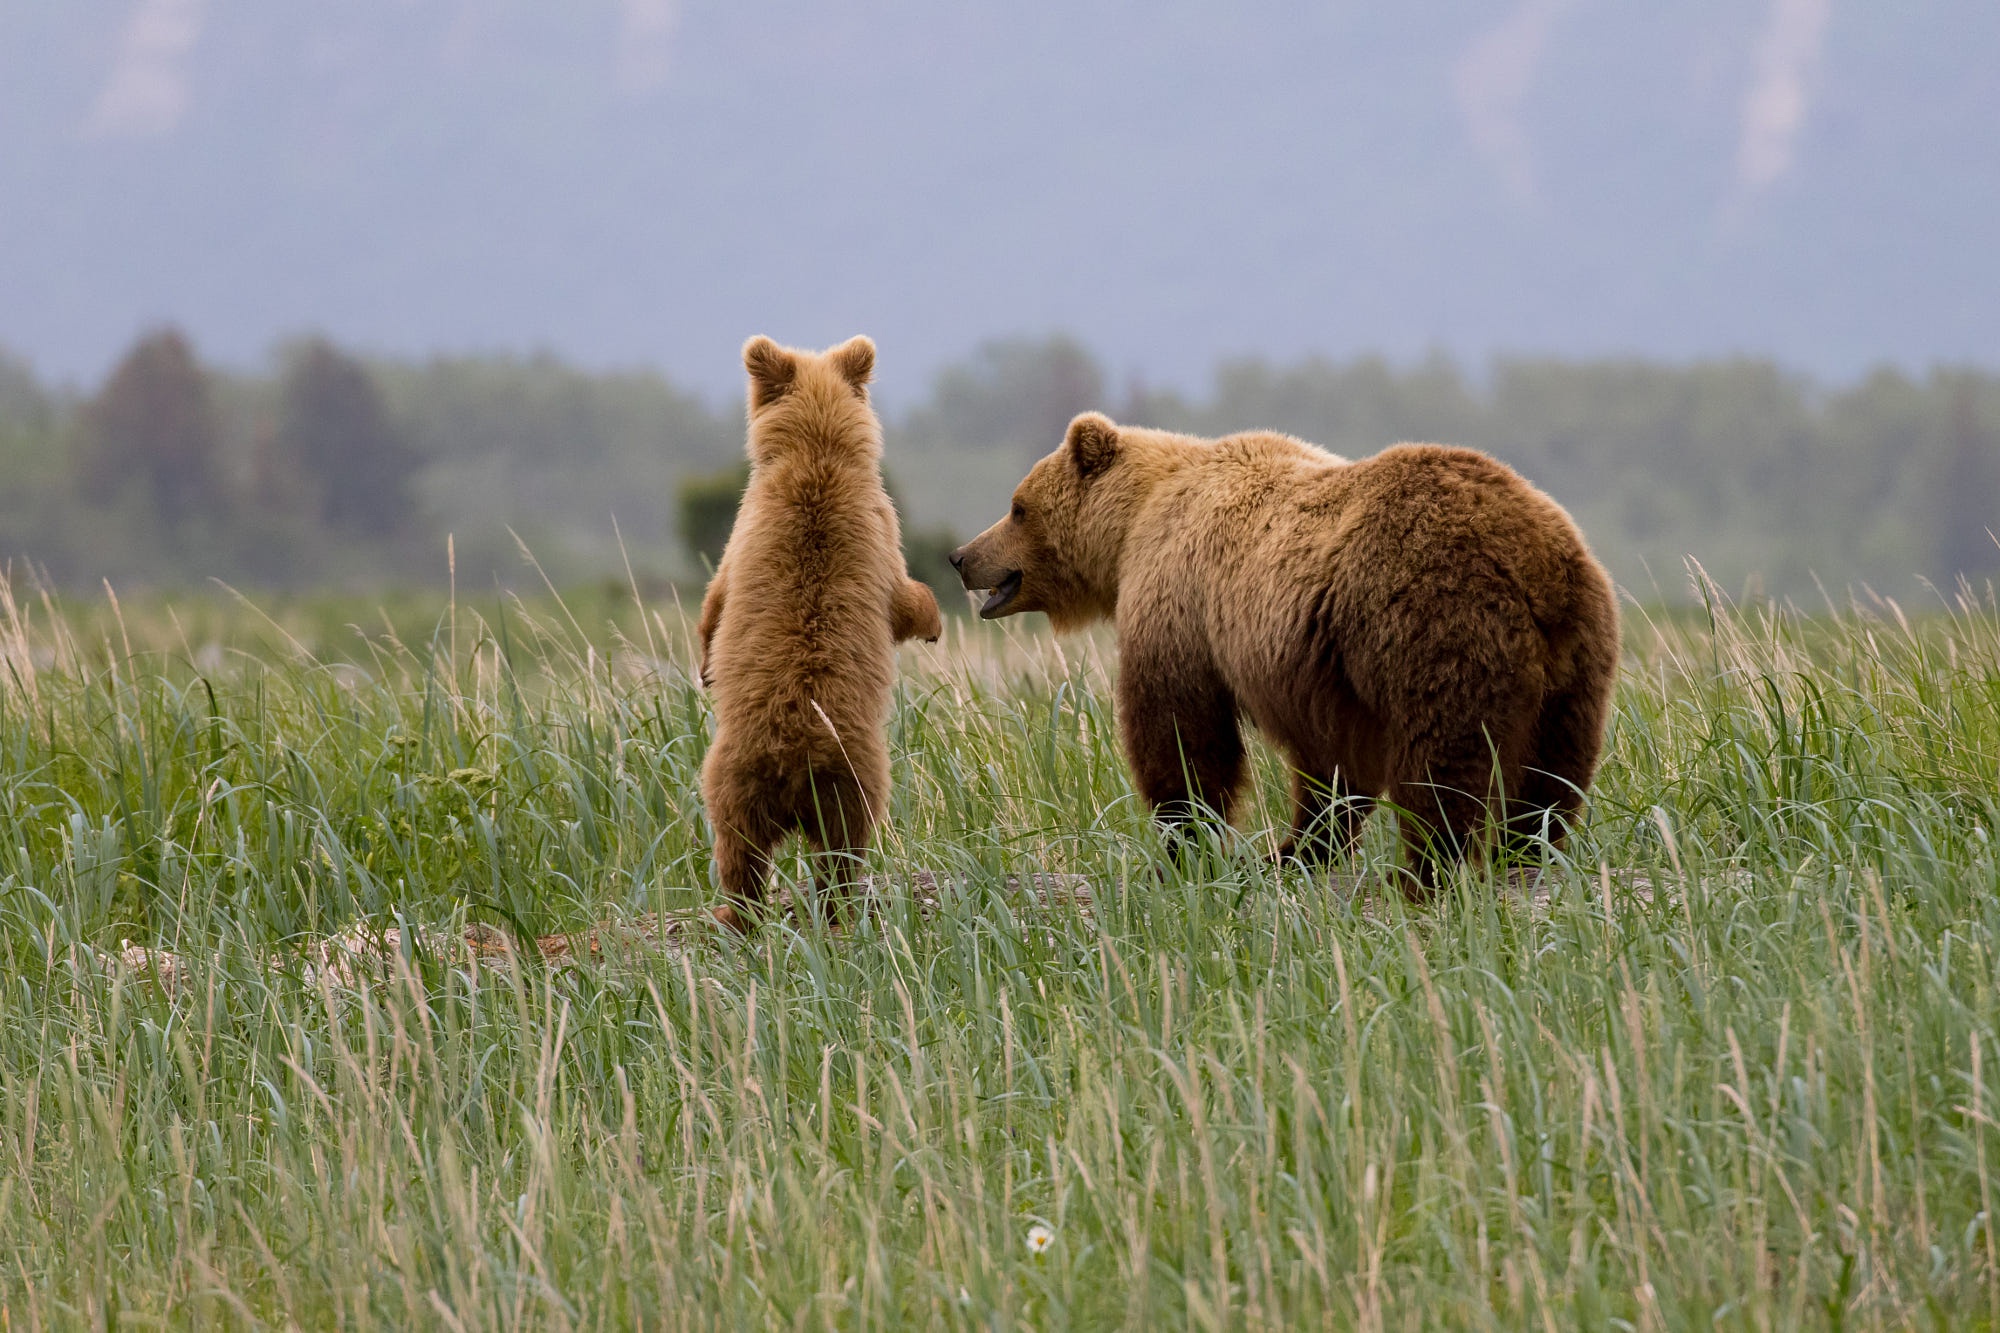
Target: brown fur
x,y
799,626
1422,625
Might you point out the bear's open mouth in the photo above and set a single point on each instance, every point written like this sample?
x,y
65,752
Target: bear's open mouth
x,y
1003,593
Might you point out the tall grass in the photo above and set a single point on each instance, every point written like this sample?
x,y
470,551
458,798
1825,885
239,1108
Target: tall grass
x,y
1731,1065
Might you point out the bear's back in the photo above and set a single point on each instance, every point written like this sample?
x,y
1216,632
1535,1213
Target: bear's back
x,y
1285,556
1431,510
812,563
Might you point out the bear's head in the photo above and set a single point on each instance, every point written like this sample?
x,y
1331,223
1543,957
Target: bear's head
x,y
1058,549
810,400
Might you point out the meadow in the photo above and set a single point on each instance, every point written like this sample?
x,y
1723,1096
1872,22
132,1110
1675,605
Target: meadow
x,y
1728,1059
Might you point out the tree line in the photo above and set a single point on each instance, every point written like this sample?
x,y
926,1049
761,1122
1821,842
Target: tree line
x,y
1775,482
331,468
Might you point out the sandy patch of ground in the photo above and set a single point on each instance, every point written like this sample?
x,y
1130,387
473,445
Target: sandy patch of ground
x,y
363,951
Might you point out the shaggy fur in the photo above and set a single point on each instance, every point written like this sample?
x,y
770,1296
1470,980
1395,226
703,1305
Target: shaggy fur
x,y
1422,625
799,627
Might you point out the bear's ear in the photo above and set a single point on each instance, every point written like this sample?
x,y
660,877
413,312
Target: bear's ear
x,y
855,360
772,370
1093,443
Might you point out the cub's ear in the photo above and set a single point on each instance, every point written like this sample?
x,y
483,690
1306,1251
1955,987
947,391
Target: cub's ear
x,y
1093,443
855,360
772,370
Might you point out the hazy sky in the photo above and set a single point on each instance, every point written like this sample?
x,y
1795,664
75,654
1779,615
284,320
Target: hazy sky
x,y
650,181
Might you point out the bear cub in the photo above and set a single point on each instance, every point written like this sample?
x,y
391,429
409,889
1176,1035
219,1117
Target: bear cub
x,y
799,628
1422,625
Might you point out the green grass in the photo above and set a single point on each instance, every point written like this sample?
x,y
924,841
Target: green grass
x,y
1738,1070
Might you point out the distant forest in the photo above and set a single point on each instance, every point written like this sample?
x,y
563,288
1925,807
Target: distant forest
x,y
331,469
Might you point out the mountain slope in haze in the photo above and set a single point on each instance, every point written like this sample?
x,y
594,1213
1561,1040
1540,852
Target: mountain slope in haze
x,y
649,182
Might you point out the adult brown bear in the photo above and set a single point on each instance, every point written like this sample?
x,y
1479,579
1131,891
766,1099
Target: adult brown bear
x,y
1422,625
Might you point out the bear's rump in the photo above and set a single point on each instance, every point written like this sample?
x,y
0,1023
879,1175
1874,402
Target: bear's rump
x,y
784,770
790,785
1369,679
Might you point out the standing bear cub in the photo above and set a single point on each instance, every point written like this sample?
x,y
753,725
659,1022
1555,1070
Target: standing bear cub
x,y
799,627
1422,625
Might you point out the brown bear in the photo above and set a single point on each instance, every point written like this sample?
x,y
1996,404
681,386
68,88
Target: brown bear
x,y
1422,625
799,627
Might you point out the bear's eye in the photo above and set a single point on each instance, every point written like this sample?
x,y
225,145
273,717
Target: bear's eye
x,y
1019,513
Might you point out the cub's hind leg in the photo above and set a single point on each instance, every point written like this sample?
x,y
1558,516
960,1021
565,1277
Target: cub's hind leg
x,y
743,867
838,826
746,831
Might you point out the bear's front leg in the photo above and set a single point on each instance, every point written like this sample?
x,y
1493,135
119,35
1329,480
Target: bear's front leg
x,y
710,621
913,613
1182,740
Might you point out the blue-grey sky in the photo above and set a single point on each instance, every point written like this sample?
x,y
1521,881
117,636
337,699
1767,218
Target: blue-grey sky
x,y
650,181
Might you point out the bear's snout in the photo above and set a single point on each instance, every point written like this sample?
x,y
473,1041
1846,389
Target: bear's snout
x,y
975,565
981,567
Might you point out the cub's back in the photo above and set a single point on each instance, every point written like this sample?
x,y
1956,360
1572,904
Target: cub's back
x,y
812,564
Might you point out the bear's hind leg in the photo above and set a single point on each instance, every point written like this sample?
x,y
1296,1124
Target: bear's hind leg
x,y
1568,735
1441,824
743,865
1465,725
1327,814
838,827
741,816
1447,814
1568,732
